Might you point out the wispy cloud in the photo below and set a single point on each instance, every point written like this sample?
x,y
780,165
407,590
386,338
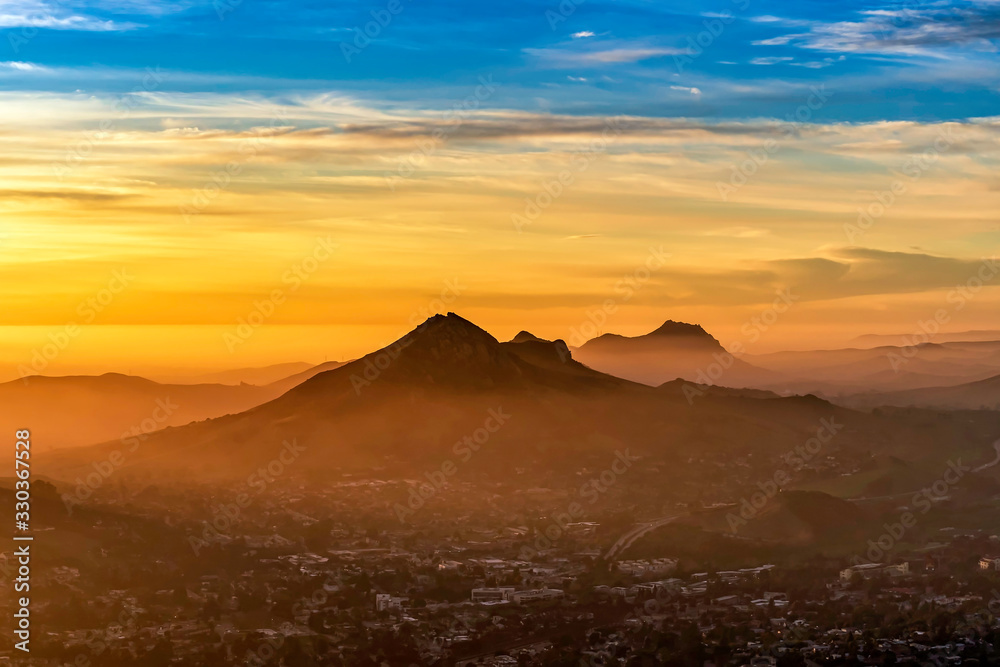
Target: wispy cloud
x,y
595,56
21,66
923,29
842,273
55,16
739,232
771,60
820,64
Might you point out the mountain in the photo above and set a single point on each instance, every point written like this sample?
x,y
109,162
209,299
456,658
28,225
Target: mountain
x,y
449,397
674,350
98,408
886,368
259,376
881,340
282,385
78,410
981,395
523,337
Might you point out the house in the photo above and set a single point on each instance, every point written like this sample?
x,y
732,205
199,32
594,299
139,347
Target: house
x,y
989,563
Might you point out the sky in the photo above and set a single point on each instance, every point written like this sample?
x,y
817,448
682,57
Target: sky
x,y
242,182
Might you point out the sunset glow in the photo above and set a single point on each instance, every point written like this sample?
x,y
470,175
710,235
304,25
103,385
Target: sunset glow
x,y
210,195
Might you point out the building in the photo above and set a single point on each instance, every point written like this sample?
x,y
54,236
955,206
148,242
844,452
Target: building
x,y
539,595
492,594
386,602
641,568
867,570
989,563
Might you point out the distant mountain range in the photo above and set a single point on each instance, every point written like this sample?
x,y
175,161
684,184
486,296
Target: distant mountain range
x,y
80,410
92,409
674,350
881,369
449,395
981,395
879,340
254,375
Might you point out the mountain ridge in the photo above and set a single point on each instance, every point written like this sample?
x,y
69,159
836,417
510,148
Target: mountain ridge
x,y
423,393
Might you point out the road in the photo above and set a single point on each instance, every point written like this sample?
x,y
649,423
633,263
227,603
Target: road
x,y
996,446
626,540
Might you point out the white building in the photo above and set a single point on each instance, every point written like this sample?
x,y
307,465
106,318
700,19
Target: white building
x,y
386,602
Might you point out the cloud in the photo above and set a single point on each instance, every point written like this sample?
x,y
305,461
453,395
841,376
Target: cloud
x,y
54,16
519,125
21,67
774,41
326,167
772,60
788,22
925,29
739,232
630,55
820,64
686,89
575,57
582,33
72,195
845,273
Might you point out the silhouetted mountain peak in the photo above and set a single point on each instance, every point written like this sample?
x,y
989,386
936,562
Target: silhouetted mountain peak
x,y
445,349
448,351
671,328
674,350
524,337
680,335
451,334
537,349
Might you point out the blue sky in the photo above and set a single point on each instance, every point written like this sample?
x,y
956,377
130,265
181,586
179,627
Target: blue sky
x,y
924,61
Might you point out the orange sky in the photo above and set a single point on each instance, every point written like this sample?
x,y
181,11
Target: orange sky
x,y
125,234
